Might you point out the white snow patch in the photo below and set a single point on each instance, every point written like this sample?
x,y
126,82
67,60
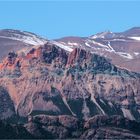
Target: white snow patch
x,y
104,47
111,49
125,55
72,44
135,38
94,37
67,48
26,38
101,35
127,114
87,44
99,44
118,40
136,53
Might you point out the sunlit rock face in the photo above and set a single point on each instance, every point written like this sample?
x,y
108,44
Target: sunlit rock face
x,y
51,80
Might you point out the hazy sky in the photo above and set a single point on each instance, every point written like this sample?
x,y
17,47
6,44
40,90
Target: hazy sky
x,y
55,19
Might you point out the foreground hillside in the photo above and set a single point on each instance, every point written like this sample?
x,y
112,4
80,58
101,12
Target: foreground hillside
x,y
65,127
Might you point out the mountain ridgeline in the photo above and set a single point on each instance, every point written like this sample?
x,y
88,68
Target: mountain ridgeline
x,y
50,85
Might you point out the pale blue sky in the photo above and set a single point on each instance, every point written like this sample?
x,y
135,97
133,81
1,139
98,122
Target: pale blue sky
x,y
55,19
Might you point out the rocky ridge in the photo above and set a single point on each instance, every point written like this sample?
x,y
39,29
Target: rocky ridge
x,y
121,49
49,80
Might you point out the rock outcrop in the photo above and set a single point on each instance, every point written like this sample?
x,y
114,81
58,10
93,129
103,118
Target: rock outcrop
x,y
49,80
68,127
56,94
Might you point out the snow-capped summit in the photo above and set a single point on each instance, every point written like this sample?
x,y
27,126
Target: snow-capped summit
x,y
23,36
121,48
106,34
16,40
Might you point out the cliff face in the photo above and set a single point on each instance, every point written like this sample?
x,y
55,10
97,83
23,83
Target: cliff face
x,y
49,80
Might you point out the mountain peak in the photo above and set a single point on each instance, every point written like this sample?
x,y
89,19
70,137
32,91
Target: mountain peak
x,y
23,36
104,34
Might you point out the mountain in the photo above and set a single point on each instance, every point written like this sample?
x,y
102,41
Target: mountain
x,y
47,88
51,81
15,40
121,49
133,32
